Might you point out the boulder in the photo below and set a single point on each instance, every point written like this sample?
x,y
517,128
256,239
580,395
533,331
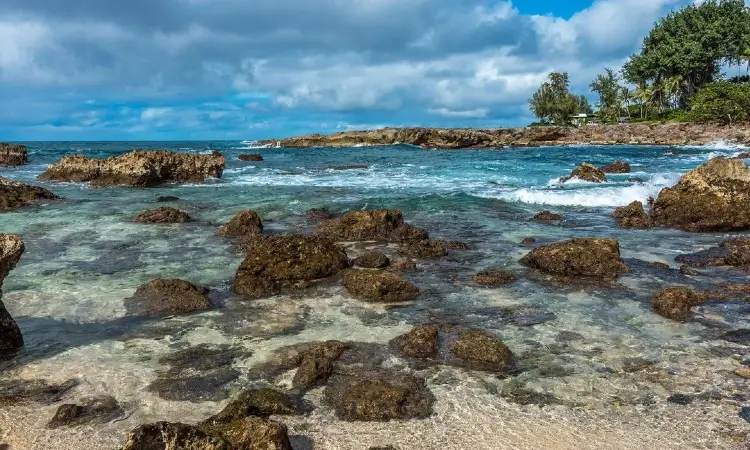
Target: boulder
x,y
494,277
547,216
250,157
252,433
378,286
617,167
13,154
424,249
372,260
276,263
528,241
14,195
731,252
420,342
675,302
743,155
254,402
243,224
97,409
316,364
480,350
586,172
713,197
165,214
137,168
168,296
379,225
403,265
11,249
173,436
632,216
377,397
584,257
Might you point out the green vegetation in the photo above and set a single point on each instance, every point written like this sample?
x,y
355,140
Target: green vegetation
x,y
677,75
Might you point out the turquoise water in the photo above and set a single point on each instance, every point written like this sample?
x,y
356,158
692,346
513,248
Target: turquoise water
x,y
84,256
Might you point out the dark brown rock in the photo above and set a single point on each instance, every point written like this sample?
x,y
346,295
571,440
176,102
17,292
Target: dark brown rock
x,y
173,436
378,286
686,270
372,260
420,342
379,225
617,167
379,398
731,252
253,433
167,198
632,216
250,157
675,302
586,172
454,245
319,214
164,214
529,241
97,409
350,167
494,277
13,154
276,263
14,195
482,351
743,155
168,296
254,402
584,257
424,249
11,249
712,197
316,364
403,265
243,224
137,168
547,216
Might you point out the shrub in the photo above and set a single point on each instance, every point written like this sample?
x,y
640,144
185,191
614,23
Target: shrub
x,y
722,102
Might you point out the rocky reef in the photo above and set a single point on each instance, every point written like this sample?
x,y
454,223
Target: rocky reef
x,y
14,195
137,168
440,138
11,249
13,154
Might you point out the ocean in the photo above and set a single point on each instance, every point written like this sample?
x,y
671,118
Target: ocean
x,y
609,372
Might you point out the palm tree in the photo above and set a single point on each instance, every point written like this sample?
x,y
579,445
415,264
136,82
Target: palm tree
x,y
673,90
626,97
644,95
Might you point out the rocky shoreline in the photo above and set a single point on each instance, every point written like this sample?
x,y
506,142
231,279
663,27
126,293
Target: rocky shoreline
x,y
670,134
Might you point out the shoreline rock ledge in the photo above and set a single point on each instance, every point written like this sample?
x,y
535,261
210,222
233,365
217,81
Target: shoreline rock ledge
x,y
13,154
11,249
142,168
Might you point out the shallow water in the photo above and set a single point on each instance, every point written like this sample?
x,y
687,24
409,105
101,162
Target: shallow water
x,y
612,377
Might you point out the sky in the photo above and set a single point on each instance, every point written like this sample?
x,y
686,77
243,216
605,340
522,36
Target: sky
x,y
256,69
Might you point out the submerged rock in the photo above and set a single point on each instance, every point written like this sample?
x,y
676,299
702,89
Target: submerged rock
x,y
675,302
250,157
482,351
741,336
632,216
168,296
403,265
244,224
372,260
316,364
14,195
617,167
287,262
584,257
173,436
424,249
731,252
254,402
11,249
379,225
379,286
420,342
97,409
377,397
586,172
13,392
253,433
743,155
167,198
529,241
137,168
713,197
165,214
494,277
13,154
547,216
319,214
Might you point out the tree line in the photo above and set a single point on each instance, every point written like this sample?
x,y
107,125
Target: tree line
x,y
676,75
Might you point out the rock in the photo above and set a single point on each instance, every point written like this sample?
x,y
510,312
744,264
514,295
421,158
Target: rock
x,y
379,398
738,251
742,372
254,402
137,168
14,195
167,198
529,241
420,342
372,260
250,157
316,364
586,172
617,167
319,214
660,265
745,413
243,224
379,225
741,336
350,167
424,249
100,409
165,214
15,392
13,154
685,270
584,257
743,155
378,286
168,296
403,265
454,245
253,433
680,399
675,302
494,277
731,252
547,216
11,249
173,436
712,197
632,216
287,262
482,351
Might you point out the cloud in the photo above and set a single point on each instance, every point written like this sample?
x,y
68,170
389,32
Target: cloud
x,y
88,69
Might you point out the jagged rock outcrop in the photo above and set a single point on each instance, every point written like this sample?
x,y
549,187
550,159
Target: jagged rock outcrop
x,y
378,286
137,168
584,257
617,167
632,216
244,224
165,214
675,302
168,296
14,195
250,157
316,364
586,172
11,249
547,216
378,225
13,154
713,197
